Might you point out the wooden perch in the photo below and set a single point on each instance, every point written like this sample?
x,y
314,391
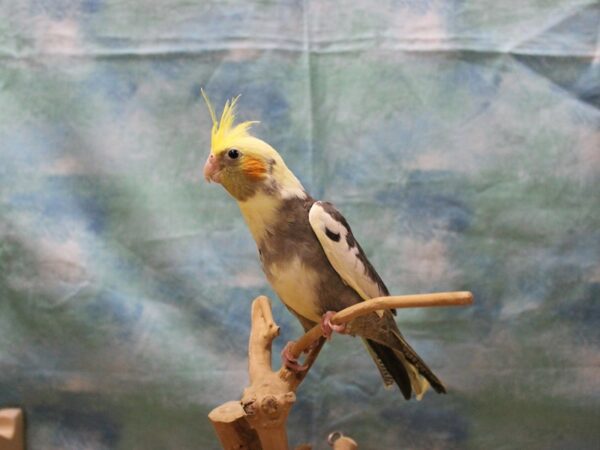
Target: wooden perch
x,y
266,403
459,298
258,420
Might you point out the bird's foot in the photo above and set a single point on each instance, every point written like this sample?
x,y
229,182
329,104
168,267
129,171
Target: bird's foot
x,y
291,362
328,328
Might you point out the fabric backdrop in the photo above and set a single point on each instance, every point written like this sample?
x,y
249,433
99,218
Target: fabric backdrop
x,y
461,139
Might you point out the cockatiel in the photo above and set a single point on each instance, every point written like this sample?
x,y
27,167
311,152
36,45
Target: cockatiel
x,y
307,250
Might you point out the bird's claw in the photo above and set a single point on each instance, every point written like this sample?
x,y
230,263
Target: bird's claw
x,y
328,328
291,362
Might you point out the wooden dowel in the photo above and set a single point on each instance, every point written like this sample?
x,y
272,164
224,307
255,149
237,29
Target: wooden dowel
x,y
458,298
306,340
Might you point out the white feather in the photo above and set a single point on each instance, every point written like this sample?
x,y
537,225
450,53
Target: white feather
x,y
342,257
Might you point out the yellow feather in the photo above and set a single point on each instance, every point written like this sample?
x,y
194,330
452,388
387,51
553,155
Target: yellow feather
x,y
226,135
224,132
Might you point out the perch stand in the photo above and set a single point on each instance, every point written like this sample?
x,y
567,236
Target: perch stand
x,y
258,421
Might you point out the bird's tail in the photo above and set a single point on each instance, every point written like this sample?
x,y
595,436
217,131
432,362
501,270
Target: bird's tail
x,y
402,365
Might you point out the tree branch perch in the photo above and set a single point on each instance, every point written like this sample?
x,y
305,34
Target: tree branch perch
x,y
458,298
258,420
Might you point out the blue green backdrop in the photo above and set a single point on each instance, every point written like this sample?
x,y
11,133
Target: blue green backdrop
x,y
461,139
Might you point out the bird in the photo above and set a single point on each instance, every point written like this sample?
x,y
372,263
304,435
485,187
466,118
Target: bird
x,y
308,252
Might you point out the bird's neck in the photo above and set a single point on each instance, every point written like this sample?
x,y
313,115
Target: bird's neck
x,y
261,210
260,213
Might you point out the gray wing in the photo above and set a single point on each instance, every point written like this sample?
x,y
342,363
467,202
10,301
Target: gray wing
x,y
343,252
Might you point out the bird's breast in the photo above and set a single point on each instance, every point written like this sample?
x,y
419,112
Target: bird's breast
x,y
297,286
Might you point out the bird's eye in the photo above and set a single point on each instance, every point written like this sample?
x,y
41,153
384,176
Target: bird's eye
x,y
233,153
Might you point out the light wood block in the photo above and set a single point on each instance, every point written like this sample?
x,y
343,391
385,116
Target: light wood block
x,y
11,429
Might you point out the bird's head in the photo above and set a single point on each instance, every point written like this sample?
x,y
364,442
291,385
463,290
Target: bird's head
x,y
242,163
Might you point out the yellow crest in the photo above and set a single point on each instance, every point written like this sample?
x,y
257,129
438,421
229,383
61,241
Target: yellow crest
x,y
224,133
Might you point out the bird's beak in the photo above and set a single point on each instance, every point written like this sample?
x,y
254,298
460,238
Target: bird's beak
x,y
211,169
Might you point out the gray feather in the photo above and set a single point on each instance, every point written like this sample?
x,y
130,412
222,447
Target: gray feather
x,y
292,237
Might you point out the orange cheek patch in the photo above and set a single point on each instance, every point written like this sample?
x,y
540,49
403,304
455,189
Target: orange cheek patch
x,y
254,168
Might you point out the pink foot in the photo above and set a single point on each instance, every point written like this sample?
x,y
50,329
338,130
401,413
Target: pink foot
x,y
289,361
328,328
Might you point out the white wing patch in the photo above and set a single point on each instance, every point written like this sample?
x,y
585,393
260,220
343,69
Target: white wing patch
x,y
332,235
